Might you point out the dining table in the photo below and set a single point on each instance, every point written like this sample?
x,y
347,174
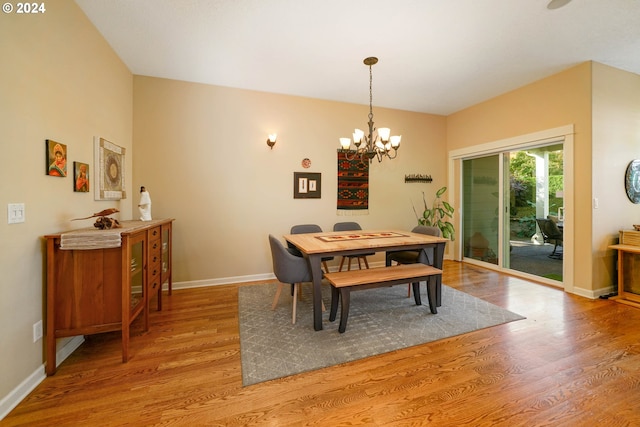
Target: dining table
x,y
315,246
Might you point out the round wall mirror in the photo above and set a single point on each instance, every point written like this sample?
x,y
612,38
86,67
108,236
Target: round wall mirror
x,y
632,181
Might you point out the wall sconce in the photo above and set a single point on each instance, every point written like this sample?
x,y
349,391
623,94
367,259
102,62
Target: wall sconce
x,y
271,140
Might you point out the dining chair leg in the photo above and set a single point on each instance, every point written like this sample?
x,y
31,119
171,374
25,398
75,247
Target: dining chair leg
x,y
341,264
277,296
326,268
366,263
296,288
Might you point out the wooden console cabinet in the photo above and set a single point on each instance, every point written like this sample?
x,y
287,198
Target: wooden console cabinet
x,y
628,267
104,289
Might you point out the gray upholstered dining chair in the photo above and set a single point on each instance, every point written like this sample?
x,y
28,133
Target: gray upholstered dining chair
x,y
308,228
350,226
288,268
424,256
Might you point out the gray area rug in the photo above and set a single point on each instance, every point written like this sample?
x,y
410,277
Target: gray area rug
x,y
380,320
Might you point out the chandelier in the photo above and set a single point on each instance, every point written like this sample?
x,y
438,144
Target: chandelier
x,y
378,143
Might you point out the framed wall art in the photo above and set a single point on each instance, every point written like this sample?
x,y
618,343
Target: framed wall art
x,y
80,177
56,154
307,185
109,163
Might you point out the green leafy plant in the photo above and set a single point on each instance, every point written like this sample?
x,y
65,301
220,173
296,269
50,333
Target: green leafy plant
x,y
437,215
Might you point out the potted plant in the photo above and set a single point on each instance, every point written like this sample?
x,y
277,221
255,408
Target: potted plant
x,y
437,215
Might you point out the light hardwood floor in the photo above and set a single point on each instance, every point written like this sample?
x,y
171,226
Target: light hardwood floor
x,y
572,362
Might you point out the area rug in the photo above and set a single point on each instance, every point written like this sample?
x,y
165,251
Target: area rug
x,y
380,320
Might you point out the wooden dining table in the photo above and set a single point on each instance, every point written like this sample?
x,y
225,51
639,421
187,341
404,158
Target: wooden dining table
x,y
315,246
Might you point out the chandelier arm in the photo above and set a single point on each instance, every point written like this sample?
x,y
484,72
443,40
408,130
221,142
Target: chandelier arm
x,y
395,153
379,155
364,158
346,154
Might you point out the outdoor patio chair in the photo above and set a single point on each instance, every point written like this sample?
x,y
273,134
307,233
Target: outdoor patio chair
x,y
551,234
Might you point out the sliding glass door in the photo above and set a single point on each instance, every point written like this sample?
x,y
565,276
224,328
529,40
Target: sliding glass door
x,y
513,210
481,204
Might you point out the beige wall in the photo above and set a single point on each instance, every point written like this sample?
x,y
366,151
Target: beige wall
x,y
559,100
59,80
201,152
616,142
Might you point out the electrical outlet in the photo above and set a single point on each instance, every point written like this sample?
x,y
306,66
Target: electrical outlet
x,y
37,331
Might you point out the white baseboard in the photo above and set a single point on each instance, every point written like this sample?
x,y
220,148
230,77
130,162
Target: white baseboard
x,y
242,279
221,281
594,294
68,348
16,395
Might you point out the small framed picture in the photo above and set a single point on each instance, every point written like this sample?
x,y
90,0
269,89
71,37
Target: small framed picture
x,y
109,170
307,185
80,177
56,154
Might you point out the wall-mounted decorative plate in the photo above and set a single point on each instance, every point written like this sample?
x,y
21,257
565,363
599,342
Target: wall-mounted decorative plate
x,y
306,163
632,181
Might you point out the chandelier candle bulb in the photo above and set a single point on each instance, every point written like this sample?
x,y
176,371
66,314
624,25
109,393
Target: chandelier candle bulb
x,y
357,136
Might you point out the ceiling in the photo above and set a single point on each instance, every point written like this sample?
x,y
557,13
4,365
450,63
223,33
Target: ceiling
x,y
435,56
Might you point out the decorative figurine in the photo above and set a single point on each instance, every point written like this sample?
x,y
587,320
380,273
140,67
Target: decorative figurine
x,y
106,223
145,205
103,222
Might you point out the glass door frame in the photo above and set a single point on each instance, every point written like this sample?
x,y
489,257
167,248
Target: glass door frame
x,y
562,135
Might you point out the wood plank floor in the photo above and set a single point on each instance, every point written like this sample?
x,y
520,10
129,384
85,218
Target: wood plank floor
x,y
572,362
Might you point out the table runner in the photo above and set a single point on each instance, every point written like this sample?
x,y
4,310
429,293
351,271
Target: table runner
x,y
360,236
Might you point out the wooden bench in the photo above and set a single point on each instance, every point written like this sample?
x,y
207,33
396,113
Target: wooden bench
x,y
342,283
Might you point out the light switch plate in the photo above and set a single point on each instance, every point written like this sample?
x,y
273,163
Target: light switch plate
x,y
15,213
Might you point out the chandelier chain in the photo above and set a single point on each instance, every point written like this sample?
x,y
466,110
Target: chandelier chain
x,y
370,93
